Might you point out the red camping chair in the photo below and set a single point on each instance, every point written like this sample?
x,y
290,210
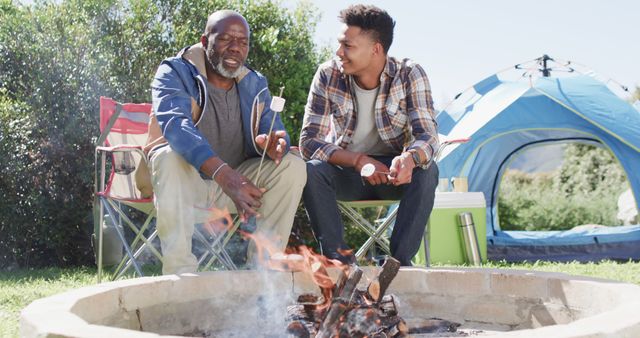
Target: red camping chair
x,y
124,129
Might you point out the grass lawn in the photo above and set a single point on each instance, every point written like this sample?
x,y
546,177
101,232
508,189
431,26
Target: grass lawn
x,y
19,288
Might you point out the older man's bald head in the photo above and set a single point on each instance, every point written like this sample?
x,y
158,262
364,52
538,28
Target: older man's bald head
x,y
216,18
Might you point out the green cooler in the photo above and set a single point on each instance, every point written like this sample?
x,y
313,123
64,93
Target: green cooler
x,y
444,231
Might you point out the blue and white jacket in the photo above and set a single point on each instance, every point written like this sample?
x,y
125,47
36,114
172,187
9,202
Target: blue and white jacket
x,y
179,97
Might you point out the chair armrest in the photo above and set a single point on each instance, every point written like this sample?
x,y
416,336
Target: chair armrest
x,y
120,147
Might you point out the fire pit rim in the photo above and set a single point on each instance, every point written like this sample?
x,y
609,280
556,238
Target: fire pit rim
x,y
54,315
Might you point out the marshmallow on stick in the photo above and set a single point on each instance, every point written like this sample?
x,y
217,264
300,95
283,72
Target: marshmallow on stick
x,y
370,169
277,106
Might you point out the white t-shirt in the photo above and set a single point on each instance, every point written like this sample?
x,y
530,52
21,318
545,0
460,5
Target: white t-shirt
x,y
366,138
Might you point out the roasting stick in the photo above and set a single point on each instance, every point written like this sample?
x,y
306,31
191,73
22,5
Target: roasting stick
x,y
277,105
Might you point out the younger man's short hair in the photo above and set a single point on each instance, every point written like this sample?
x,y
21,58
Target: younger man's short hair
x,y
372,20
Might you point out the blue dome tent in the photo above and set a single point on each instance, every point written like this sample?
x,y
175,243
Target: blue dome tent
x,y
505,117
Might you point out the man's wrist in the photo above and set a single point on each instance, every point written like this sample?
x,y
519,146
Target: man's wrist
x,y
357,160
217,171
415,156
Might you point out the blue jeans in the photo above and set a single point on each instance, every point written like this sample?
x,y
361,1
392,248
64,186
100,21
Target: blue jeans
x,y
326,184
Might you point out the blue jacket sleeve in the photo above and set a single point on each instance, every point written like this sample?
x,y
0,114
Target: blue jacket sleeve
x,y
173,90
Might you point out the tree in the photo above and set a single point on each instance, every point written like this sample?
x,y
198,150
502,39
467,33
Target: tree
x,y
58,57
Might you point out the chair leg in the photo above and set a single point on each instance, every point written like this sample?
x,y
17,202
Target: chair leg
x,y
378,235
123,240
147,243
222,240
369,229
222,254
121,270
425,241
100,238
126,261
139,232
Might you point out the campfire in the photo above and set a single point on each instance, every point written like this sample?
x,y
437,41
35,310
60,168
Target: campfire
x,y
340,309
343,310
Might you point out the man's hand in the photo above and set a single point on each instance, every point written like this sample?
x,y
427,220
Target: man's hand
x,y
244,194
277,144
380,174
401,169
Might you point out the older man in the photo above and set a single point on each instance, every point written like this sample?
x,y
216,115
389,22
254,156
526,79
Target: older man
x,y
208,130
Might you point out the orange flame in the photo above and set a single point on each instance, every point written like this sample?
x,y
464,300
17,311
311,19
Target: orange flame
x,y
218,221
302,259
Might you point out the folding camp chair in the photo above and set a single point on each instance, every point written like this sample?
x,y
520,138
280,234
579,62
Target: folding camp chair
x,y
377,231
374,230
124,129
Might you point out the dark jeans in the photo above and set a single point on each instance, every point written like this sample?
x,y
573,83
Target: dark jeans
x,y
327,183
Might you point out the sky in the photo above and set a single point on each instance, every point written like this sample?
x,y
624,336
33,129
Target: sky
x,y
460,42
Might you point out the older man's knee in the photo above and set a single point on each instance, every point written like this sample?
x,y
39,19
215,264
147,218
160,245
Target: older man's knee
x,y
169,161
294,169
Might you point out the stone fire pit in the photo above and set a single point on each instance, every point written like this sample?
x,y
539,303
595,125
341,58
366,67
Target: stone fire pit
x,y
501,303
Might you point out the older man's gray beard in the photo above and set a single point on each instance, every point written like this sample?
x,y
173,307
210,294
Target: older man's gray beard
x,y
219,68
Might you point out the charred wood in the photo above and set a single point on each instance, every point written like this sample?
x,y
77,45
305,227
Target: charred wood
x,y
342,278
339,304
322,279
388,305
298,330
434,325
345,311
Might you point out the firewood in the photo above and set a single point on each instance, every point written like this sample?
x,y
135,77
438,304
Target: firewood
x,y
381,282
388,321
298,330
434,325
359,322
388,305
342,278
339,304
322,279
402,327
345,311
307,298
299,312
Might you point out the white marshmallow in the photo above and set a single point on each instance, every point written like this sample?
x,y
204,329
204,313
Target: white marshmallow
x,y
277,104
367,170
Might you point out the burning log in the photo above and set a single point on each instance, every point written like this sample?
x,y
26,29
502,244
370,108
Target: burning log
x,y
342,278
298,329
339,304
379,285
322,279
345,311
388,306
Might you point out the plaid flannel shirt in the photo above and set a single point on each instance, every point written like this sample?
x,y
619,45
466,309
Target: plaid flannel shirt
x,y
404,112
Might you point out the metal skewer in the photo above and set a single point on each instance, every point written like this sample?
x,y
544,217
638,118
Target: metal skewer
x,y
266,147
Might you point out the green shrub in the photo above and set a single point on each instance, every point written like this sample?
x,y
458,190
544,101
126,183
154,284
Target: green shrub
x,y
58,57
584,190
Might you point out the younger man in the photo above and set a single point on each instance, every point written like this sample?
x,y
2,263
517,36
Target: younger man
x,y
369,108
